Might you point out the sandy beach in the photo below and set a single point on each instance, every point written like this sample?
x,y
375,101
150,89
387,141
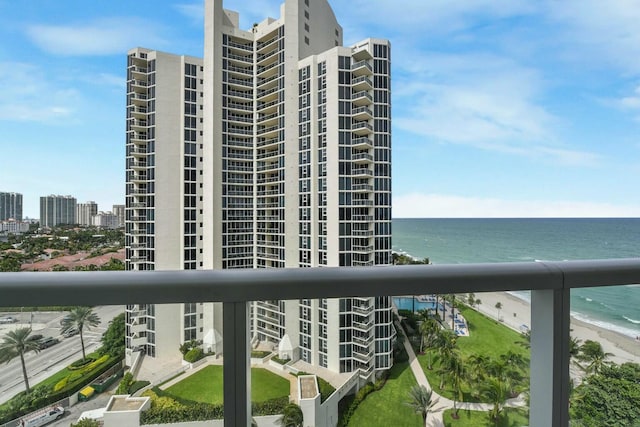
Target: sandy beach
x,y
624,348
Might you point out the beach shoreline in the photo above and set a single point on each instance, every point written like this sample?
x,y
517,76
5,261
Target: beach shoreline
x,y
516,312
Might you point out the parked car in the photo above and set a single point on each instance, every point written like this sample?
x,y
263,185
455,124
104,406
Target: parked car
x,y
42,417
70,332
65,318
8,319
36,337
47,342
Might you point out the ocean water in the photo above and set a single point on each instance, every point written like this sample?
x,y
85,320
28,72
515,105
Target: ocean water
x,y
458,241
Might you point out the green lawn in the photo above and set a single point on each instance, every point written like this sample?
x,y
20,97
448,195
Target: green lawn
x,y
487,337
206,386
510,418
386,407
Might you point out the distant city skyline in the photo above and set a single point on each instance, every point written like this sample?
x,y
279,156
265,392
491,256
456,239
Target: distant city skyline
x,y
500,109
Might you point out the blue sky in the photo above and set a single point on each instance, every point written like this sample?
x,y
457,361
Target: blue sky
x,y
500,107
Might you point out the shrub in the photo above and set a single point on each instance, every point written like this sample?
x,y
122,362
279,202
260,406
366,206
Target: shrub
x,y
194,355
79,364
87,422
61,384
280,361
269,407
125,384
137,386
260,354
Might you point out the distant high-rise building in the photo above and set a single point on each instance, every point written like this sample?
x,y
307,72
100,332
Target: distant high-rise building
x,y
105,220
10,206
119,211
85,213
57,210
295,157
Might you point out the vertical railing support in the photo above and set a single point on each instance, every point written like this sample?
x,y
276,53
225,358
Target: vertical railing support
x,y
550,324
237,380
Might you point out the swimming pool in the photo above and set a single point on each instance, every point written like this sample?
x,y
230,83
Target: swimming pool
x,y
406,303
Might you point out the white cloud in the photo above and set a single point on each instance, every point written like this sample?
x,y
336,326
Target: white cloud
x,y
109,36
419,205
481,100
595,31
28,95
193,11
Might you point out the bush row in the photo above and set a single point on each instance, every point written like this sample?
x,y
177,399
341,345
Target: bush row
x,y
167,409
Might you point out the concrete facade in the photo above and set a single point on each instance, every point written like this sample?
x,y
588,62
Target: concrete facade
x,y
292,164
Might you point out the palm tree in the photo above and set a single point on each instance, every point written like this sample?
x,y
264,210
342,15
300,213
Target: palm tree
x,y
428,330
457,373
80,318
291,416
498,307
446,343
496,392
574,347
421,402
592,353
471,299
16,343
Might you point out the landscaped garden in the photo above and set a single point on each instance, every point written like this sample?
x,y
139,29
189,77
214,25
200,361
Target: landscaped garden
x,y
206,386
386,407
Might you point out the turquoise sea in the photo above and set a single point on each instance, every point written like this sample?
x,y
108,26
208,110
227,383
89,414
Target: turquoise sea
x,y
457,241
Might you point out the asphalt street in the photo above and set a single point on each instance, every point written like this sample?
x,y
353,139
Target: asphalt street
x,y
49,361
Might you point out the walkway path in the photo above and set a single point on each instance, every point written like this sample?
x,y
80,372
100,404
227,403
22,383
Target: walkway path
x,y
435,418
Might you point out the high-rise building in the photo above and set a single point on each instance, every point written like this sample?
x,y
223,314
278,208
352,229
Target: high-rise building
x,y
57,210
296,164
105,220
119,211
163,189
10,206
85,213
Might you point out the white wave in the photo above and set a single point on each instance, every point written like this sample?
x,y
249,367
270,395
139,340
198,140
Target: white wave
x,y
588,299
637,322
631,333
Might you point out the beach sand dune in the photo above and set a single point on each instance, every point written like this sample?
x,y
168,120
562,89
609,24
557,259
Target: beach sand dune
x,y
516,312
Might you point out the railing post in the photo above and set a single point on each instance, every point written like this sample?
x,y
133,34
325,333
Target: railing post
x,y
550,324
237,380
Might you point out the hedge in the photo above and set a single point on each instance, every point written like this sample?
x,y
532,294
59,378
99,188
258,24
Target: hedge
x,y
75,382
194,355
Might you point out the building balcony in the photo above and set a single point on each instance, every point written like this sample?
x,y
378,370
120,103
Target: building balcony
x,y
244,47
362,233
361,68
362,113
362,128
361,83
361,53
138,327
362,98
362,172
362,143
550,284
242,59
240,71
267,43
362,188
361,202
240,106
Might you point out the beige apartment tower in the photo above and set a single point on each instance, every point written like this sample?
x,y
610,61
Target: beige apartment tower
x,y
296,173
163,189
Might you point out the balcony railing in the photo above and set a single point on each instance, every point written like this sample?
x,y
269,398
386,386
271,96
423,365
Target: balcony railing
x,y
550,284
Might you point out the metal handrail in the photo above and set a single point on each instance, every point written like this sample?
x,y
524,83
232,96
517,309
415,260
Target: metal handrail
x,y
160,287
550,283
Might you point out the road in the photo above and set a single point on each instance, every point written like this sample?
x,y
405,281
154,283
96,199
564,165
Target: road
x,y
49,361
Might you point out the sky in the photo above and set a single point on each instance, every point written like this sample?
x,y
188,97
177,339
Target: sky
x,y
501,108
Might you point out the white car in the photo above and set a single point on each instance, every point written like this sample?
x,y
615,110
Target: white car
x,y
7,319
